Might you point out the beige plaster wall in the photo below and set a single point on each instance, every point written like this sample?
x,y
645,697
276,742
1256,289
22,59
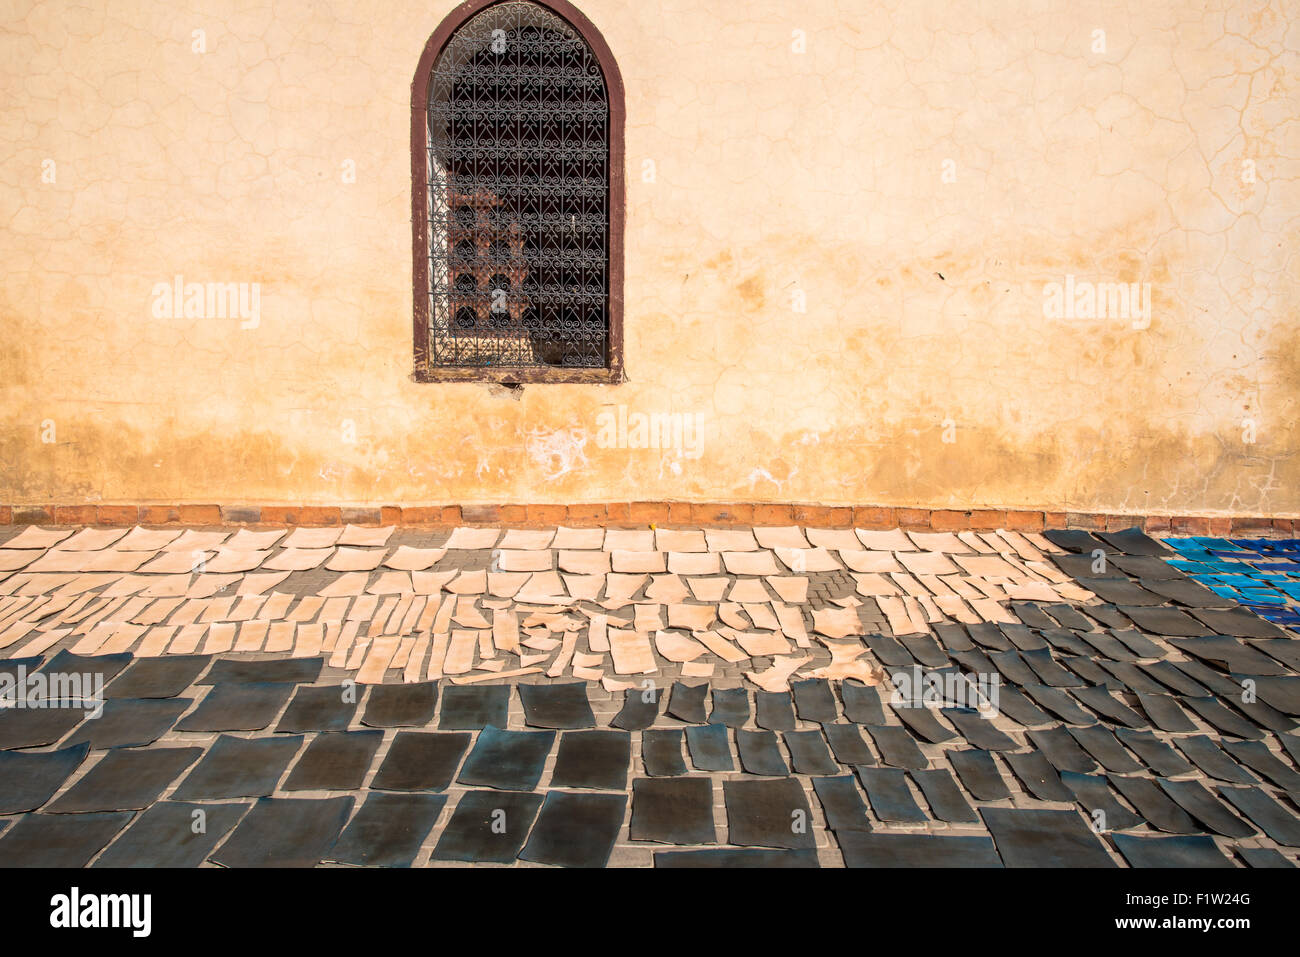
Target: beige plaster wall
x,y
758,173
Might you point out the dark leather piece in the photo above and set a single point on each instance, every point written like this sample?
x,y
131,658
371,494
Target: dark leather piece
x,y
730,707
59,840
162,677
235,767
1164,713
673,811
759,753
1061,750
772,813
774,710
861,703
897,748
915,850
890,797
285,832
1099,742
401,705
576,830
593,759
687,702
27,781
507,760
809,754
336,761
1193,798
661,752
1038,776
979,773
1206,755
421,760
1040,838
640,709
1156,754
710,750
813,700
165,835
325,708
842,803
1154,805
1093,794
727,858
238,706
387,830
129,723
487,827
292,670
1279,823
944,797
471,707
563,706
125,780
1190,851
847,743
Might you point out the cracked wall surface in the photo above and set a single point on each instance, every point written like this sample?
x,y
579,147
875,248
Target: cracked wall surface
x,y
841,221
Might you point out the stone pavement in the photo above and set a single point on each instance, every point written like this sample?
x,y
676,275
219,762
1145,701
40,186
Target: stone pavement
x,y
658,696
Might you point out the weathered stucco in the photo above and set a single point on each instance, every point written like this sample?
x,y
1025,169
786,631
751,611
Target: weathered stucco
x,y
757,174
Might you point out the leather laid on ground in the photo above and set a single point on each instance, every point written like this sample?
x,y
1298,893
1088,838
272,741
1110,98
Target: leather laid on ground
x,y
105,666
238,706
488,826
661,752
335,761
709,748
862,704
1061,750
1277,822
291,670
1153,804
326,708
848,744
593,759
1256,755
1098,741
727,858
979,731
878,850
809,754
471,707
813,700
1155,754
1193,798
166,835
1218,716
401,705
1038,776
979,773
130,722
686,702
387,830
1282,693
944,797
640,709
507,760
1163,620
771,813
285,832
164,677
922,723
27,781
1210,758
774,710
236,767
1093,794
421,760
36,727
562,706
730,707
897,748
1041,838
125,780
58,840
842,803
575,830
1165,714
673,811
1261,857
890,798
759,753
1190,851
1236,622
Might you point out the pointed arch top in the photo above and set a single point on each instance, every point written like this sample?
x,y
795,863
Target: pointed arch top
x,y
425,371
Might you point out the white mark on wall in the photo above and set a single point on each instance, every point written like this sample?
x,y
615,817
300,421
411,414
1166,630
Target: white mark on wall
x,y
557,452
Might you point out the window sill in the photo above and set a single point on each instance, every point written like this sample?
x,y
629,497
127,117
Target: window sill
x,y
507,375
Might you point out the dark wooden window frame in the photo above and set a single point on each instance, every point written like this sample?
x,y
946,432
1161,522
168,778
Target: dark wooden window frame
x,y
424,372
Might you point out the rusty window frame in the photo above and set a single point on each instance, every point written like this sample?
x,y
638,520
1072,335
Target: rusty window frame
x,y
424,370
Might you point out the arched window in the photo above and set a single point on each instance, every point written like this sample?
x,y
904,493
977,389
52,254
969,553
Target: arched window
x,y
517,196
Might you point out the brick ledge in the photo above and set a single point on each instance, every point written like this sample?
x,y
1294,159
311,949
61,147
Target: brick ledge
x,y
643,513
